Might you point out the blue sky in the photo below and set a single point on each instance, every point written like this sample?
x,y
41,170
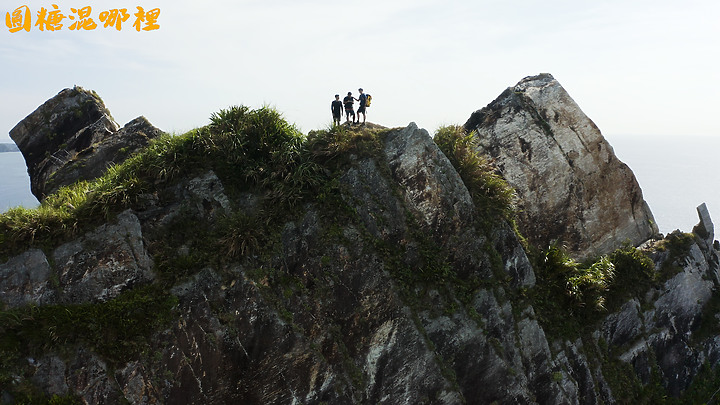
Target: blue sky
x,y
634,67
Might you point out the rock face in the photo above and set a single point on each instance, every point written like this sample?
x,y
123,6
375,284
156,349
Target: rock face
x,y
658,334
94,268
73,137
394,292
570,185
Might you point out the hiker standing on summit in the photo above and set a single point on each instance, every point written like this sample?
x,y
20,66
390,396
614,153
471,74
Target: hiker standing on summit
x,y
336,107
349,100
363,105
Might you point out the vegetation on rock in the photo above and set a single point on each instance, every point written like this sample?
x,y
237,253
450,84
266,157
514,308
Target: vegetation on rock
x,y
292,184
267,153
492,195
118,330
571,297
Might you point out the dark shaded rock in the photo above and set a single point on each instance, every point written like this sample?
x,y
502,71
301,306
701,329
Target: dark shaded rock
x,y
24,280
50,374
207,195
73,137
624,326
136,387
89,377
570,185
96,267
94,160
100,265
430,184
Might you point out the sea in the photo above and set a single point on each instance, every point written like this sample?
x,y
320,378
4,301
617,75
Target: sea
x,y
15,182
676,174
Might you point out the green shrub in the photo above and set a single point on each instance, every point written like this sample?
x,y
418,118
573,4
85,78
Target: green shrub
x,y
244,233
588,286
634,274
33,396
584,286
677,243
118,330
567,294
570,296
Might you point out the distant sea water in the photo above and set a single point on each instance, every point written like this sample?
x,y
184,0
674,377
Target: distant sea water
x,y
676,174
14,182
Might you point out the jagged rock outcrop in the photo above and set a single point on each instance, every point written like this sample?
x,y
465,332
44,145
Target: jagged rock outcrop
x,y
386,289
73,137
571,187
658,333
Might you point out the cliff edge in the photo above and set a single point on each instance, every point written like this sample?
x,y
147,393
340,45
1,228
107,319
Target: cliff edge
x,y
245,262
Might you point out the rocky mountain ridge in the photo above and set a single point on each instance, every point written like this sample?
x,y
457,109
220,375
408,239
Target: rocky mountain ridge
x,y
356,267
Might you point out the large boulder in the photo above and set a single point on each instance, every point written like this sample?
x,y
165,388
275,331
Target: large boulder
x,y
571,186
73,137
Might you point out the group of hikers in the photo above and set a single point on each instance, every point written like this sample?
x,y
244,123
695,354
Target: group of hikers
x,y
347,103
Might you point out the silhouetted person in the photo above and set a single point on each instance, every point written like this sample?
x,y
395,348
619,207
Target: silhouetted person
x,y
363,105
336,107
349,100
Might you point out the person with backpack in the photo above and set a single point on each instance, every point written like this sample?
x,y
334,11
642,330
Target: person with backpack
x,y
363,105
349,100
336,107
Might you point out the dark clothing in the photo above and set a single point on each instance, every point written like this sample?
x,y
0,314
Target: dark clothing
x,y
363,103
336,107
349,101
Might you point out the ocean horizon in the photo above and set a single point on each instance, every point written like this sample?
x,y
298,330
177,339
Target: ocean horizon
x,y
675,173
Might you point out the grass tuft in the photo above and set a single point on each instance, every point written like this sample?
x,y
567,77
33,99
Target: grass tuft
x,y
331,147
570,296
492,195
